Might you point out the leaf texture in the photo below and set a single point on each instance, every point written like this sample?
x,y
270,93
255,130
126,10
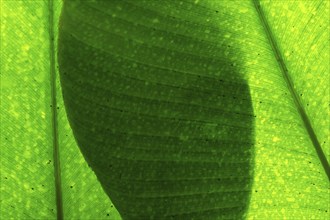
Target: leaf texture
x,y
26,148
158,109
129,71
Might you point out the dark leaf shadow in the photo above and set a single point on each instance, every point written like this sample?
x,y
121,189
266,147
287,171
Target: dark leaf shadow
x,y
159,110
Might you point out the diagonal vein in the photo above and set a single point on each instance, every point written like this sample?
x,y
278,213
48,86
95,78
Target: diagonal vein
x,y
57,170
293,93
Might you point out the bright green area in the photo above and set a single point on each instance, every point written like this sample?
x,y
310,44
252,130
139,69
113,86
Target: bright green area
x,y
289,181
305,50
27,180
26,130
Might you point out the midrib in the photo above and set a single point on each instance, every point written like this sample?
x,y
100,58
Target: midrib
x,y
57,170
287,78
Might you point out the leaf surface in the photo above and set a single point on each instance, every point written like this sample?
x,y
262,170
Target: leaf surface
x,y
158,109
27,160
225,40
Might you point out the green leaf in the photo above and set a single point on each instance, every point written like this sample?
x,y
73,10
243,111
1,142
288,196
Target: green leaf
x,y
159,110
191,109
26,154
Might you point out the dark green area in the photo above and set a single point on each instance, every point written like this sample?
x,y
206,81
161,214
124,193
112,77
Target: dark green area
x,y
158,108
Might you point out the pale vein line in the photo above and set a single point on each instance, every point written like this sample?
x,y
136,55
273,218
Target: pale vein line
x,y
56,153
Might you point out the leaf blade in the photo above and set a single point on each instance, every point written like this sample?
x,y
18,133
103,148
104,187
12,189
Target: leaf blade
x,y
141,112
25,113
